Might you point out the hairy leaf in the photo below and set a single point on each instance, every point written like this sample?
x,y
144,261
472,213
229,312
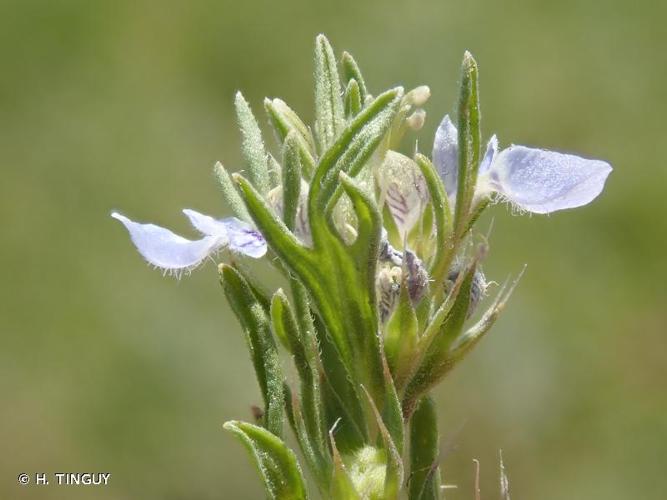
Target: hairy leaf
x,y
276,463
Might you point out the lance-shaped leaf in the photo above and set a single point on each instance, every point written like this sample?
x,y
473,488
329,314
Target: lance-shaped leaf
x,y
401,334
261,293
349,153
341,483
441,210
424,480
256,325
365,249
394,472
277,464
392,411
275,171
468,340
342,402
353,102
230,194
445,327
291,179
284,120
469,139
329,115
369,224
281,240
351,71
252,145
283,321
319,465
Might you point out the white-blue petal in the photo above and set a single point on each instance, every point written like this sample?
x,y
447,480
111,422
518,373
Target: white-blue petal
x,y
244,239
206,224
491,151
446,154
542,181
238,236
167,250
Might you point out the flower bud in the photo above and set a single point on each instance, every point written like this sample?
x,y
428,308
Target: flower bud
x,y
417,276
477,289
418,96
388,285
416,120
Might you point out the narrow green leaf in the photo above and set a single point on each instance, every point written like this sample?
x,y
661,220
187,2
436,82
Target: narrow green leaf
x,y
438,339
469,139
256,325
401,334
369,224
252,145
230,194
351,150
353,102
329,115
284,120
468,340
291,179
424,480
279,237
318,464
475,213
351,71
341,483
283,321
277,464
342,402
260,292
392,412
275,171
443,221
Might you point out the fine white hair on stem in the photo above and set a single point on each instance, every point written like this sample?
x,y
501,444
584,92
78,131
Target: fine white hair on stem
x,y
504,480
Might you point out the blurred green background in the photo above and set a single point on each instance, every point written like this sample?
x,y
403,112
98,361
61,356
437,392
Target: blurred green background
x,y
107,366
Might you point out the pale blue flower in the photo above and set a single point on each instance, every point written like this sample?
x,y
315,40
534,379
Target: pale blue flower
x,y
173,253
534,180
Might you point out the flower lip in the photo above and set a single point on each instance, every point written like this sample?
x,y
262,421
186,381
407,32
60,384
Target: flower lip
x,y
171,252
535,180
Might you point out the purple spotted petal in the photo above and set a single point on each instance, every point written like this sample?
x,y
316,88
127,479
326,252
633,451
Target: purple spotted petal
x,y
446,154
239,236
542,181
167,250
244,239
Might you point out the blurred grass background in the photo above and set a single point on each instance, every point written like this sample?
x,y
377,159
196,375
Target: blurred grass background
x,y
107,366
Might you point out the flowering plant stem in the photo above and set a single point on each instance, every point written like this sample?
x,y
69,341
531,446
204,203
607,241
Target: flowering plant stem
x,y
381,275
